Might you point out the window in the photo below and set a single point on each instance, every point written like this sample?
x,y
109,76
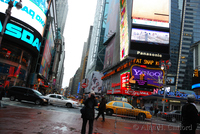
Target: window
x,y
21,90
52,96
30,92
127,105
119,104
59,97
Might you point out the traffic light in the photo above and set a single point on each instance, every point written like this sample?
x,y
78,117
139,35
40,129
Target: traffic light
x,y
196,73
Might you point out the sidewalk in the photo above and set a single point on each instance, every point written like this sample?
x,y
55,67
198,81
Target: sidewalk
x,y
18,120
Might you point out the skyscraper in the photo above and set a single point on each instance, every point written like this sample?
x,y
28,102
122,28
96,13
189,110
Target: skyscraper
x,y
189,35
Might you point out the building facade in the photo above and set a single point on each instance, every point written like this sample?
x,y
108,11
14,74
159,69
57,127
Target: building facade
x,y
189,35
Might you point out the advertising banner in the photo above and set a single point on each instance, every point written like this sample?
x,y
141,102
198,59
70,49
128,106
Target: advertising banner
x,y
33,12
124,78
127,92
151,12
94,82
47,54
150,76
124,34
150,29
26,25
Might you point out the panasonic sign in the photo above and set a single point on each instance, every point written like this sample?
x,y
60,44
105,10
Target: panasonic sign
x,y
21,34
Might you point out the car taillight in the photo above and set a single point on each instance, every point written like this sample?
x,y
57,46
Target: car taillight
x,y
165,113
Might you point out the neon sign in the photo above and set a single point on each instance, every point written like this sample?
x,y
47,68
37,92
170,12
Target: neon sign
x,y
135,61
175,94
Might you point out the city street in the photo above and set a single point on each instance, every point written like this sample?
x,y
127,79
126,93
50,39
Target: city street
x,y
25,118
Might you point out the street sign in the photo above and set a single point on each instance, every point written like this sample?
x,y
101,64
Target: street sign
x,y
84,85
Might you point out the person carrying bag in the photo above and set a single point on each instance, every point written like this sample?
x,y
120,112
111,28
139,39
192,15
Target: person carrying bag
x,y
88,112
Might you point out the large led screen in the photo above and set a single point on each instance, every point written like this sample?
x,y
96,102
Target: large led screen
x,y
33,12
151,12
47,54
26,25
152,76
124,38
149,36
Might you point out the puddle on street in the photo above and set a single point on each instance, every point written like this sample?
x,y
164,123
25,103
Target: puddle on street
x,y
64,128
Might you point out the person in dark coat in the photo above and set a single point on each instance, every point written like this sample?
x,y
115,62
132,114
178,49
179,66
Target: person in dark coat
x,y
189,115
89,113
102,108
1,93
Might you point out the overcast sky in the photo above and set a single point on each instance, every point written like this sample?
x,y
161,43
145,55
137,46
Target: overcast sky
x,y
79,19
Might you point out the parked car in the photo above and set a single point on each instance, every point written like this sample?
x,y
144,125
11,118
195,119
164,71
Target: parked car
x,y
56,99
173,116
27,94
124,108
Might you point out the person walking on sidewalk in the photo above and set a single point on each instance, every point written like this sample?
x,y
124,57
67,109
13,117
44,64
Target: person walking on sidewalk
x,y
102,108
1,93
89,113
189,115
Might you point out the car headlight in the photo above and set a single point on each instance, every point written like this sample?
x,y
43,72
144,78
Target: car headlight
x,y
44,100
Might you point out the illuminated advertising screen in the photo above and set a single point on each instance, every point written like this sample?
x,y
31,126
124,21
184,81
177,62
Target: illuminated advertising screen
x,y
150,29
47,54
33,12
124,36
170,80
124,78
26,25
151,12
149,76
196,80
149,36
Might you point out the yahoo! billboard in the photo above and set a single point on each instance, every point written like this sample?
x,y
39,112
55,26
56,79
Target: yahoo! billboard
x,y
149,76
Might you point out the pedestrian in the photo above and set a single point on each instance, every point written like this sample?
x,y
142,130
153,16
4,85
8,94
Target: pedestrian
x,y
189,115
1,93
156,111
102,108
143,107
151,110
89,113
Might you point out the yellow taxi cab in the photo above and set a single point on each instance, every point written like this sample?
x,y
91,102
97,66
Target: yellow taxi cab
x,y
124,108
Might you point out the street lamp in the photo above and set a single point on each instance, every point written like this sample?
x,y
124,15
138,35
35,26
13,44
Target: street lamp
x,y
8,14
164,66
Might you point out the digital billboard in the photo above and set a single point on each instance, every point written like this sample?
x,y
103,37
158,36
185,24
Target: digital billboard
x,y
26,25
124,34
33,12
170,80
149,36
150,29
47,54
146,76
151,12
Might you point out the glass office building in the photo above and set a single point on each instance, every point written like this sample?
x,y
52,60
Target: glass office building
x,y
190,33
